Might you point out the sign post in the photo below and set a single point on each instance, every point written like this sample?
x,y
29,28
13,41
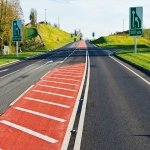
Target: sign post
x,y
135,23
16,32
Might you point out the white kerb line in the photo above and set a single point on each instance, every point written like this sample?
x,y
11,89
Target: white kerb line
x,y
40,114
46,102
29,131
131,71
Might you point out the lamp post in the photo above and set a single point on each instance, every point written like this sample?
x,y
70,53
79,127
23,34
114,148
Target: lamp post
x,y
45,16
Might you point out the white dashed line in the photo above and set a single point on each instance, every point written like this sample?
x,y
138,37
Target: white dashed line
x,y
53,93
57,87
40,114
9,74
31,132
3,71
46,102
60,82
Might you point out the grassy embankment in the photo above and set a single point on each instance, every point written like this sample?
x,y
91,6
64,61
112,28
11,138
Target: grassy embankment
x,y
125,46
51,36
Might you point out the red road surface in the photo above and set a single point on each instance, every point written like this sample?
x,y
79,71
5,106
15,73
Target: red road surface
x,y
39,118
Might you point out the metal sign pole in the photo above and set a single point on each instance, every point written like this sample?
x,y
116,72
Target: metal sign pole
x,y
135,45
17,49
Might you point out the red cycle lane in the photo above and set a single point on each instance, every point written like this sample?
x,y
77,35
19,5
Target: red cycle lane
x,y
38,120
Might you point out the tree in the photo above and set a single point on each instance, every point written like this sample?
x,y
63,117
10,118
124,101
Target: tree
x,y
33,17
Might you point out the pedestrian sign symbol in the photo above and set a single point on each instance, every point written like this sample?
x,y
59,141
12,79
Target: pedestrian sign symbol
x,y
16,30
136,21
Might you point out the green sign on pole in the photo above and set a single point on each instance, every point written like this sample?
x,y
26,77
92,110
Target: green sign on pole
x,y
135,21
16,30
93,34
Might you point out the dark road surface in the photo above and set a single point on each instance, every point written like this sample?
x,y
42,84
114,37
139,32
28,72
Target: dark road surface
x,y
118,106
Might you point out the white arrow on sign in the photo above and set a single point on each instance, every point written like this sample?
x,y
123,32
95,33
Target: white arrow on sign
x,y
136,19
133,12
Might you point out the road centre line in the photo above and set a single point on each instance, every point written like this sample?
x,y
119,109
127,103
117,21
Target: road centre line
x,y
60,82
57,87
40,114
9,74
53,93
64,78
21,95
67,75
46,102
131,71
4,70
29,131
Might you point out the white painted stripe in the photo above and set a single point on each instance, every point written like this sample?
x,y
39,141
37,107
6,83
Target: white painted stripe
x,y
3,70
131,70
53,93
1,149
64,78
67,75
29,131
46,102
60,82
9,74
45,75
40,114
20,96
69,72
57,87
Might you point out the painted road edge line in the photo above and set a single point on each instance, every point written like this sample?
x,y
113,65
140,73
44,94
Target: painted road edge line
x,y
82,116
131,70
46,102
20,96
31,132
72,119
40,114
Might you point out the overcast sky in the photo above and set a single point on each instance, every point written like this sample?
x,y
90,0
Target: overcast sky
x,y
99,16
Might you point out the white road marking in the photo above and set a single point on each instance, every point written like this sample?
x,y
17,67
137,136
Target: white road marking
x,y
131,71
67,75
60,82
20,96
9,74
53,93
57,87
46,102
4,70
40,114
69,72
29,131
64,78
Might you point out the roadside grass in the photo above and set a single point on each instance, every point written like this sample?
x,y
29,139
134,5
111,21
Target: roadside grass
x,y
55,37
125,48
4,59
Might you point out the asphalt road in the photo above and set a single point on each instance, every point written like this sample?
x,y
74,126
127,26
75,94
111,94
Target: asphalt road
x,y
18,77
118,106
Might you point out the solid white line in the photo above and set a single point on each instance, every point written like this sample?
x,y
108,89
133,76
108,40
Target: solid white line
x,y
64,78
20,96
82,116
40,114
60,82
131,70
57,87
46,102
31,132
9,74
4,70
53,93
67,75
45,75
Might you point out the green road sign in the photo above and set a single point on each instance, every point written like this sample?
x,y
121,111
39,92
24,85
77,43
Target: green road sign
x,y
16,30
135,21
93,34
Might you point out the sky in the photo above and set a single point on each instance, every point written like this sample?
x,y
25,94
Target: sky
x,y
102,17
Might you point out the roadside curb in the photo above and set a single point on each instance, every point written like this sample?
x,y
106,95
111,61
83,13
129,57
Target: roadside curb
x,y
146,71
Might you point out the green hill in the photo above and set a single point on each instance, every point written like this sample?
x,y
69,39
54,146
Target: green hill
x,y
30,33
54,37
125,48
